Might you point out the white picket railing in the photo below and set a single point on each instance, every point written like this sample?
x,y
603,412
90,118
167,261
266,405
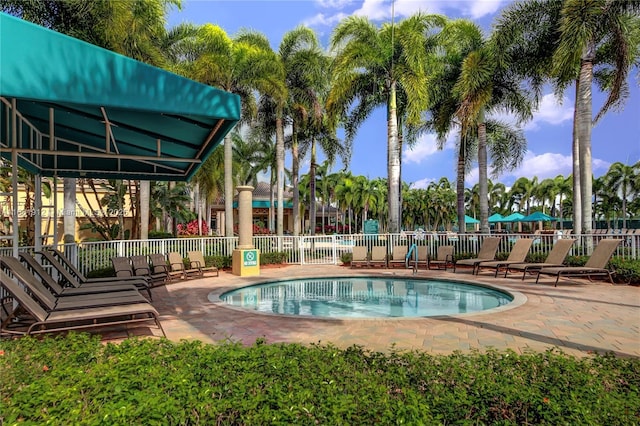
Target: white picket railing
x,y
321,249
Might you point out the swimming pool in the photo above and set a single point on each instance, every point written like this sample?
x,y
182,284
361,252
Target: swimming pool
x,y
366,297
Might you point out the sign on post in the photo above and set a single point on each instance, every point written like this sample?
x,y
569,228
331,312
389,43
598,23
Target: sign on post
x,y
249,258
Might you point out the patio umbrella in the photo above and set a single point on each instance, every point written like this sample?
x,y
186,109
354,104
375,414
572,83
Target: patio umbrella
x,y
495,218
513,218
538,217
470,220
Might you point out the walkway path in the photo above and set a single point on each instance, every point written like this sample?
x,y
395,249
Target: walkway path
x,y
578,317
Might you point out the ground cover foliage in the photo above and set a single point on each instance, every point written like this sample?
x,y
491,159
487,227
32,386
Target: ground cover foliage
x,y
78,380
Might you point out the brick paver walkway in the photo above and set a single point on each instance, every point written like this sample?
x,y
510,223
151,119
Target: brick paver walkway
x,y
579,317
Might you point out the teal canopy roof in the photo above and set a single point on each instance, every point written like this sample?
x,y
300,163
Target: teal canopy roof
x,y
111,116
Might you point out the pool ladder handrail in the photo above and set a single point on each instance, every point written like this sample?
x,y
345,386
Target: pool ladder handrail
x,y
413,249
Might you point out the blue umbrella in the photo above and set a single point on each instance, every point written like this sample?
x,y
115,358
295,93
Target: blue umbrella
x,y
496,217
513,217
537,217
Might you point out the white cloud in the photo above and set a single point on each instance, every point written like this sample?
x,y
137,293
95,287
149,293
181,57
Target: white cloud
x,y
549,165
333,4
422,183
550,111
480,8
376,10
321,19
426,146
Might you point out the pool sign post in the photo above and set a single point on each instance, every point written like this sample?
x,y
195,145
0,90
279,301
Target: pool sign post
x,y
245,260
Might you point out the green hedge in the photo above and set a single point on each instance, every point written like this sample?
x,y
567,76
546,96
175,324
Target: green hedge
x,y
78,380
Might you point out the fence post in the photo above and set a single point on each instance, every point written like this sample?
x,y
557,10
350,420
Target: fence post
x,y
334,242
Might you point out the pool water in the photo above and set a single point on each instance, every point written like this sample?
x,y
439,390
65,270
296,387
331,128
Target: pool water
x,y
366,297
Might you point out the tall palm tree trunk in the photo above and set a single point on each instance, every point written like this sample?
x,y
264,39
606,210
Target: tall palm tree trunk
x,y
280,176
584,114
228,186
312,190
460,187
577,203
295,170
393,163
482,172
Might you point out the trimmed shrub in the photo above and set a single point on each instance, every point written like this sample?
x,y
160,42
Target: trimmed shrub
x,y
275,257
78,380
627,271
102,273
346,258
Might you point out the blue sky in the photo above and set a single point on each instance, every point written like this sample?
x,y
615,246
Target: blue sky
x,y
615,138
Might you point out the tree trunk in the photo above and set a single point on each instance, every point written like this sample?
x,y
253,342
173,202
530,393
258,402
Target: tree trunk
x,y
460,172
69,209
228,186
577,203
280,176
584,114
295,171
145,195
312,189
483,182
393,163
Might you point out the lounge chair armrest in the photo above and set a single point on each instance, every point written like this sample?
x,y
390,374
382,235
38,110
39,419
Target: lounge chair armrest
x,y
195,264
177,265
143,270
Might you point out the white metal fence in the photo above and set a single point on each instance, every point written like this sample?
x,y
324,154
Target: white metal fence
x,y
325,249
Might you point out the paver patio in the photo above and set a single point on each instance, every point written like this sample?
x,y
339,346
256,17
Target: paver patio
x,y
579,317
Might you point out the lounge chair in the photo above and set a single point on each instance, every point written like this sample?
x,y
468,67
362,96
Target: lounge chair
x,y
423,256
70,301
595,266
359,256
177,266
518,254
122,266
556,258
487,253
67,278
378,256
196,260
44,320
399,256
61,263
160,265
141,268
443,259
38,270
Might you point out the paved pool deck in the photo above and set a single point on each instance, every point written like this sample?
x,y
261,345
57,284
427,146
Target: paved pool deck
x,y
578,316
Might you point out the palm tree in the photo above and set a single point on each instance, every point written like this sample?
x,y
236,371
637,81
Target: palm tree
x,y
483,87
305,73
623,180
371,66
240,65
522,192
574,41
